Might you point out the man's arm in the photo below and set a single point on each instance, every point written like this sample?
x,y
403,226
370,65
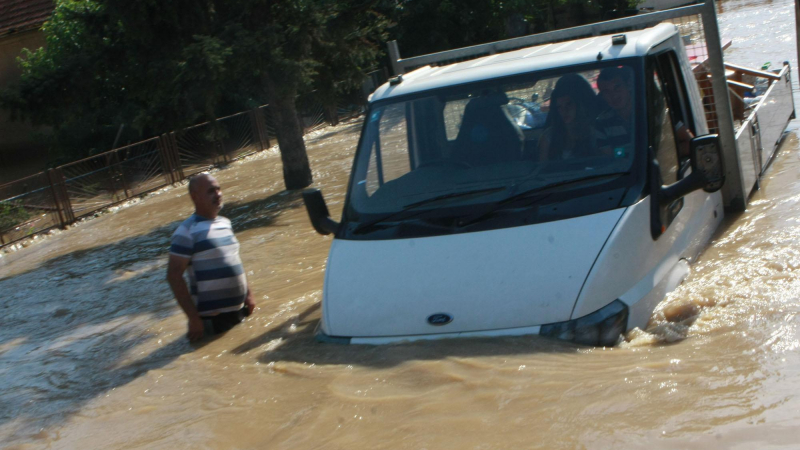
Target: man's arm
x,y
177,265
685,137
249,302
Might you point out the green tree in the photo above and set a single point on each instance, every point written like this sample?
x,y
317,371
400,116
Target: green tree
x,y
12,214
429,26
290,45
159,66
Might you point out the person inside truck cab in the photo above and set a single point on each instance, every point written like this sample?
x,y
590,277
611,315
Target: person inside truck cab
x,y
683,135
615,120
569,129
488,134
615,85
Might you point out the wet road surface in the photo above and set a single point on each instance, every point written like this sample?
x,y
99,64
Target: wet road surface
x,y
93,353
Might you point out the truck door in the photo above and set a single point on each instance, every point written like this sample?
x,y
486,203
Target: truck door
x,y
670,131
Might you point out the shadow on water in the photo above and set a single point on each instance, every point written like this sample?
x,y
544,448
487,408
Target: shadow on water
x,y
343,128
293,341
70,327
244,216
263,212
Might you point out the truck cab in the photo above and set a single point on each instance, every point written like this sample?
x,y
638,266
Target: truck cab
x,y
559,190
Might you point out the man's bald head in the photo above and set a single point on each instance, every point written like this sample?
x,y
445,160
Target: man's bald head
x,y
199,179
206,195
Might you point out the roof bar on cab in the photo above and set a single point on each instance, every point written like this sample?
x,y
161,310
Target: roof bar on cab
x,y
401,66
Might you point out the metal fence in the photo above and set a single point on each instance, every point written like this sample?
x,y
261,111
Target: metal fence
x,y
691,29
30,207
60,196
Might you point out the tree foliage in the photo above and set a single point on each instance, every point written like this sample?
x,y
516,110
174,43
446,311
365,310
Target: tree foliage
x,y
12,214
428,26
158,66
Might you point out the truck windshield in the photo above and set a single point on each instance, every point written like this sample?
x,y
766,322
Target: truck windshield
x,y
467,150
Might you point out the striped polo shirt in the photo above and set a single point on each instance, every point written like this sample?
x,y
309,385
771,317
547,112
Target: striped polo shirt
x,y
617,130
217,281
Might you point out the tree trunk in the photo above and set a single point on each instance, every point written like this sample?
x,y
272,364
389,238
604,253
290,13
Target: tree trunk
x,y
296,170
551,16
331,114
515,26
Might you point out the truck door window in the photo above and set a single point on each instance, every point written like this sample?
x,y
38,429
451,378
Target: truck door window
x,y
453,115
662,137
663,134
389,155
394,143
676,97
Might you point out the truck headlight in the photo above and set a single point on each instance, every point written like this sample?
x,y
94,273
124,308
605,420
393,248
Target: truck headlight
x,y
600,328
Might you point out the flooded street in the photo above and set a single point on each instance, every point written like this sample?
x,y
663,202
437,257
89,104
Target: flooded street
x,y
93,351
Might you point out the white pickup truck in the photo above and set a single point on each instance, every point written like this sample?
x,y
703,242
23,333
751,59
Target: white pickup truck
x,y
558,190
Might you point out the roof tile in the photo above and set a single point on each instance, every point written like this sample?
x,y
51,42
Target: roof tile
x,y
20,15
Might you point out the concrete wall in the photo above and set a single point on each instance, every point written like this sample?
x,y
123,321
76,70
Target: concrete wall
x,y
19,154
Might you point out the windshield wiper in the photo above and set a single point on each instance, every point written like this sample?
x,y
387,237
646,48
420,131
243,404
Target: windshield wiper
x,y
528,193
361,228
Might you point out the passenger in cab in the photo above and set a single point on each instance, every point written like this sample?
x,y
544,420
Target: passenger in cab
x,y
488,134
615,121
570,131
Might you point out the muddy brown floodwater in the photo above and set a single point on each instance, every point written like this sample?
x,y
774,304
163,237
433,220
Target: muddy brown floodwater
x,y
93,353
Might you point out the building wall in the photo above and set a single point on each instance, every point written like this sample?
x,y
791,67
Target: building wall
x,y
20,155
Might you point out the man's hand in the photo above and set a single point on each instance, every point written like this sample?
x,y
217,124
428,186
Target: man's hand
x,y
249,302
195,328
175,268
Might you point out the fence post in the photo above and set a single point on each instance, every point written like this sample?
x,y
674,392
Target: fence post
x,y
175,154
59,188
65,200
166,166
331,114
221,150
111,176
256,129
170,160
262,123
56,202
121,173
256,122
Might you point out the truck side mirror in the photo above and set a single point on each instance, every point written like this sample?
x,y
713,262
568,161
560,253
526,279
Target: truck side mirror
x,y
707,161
707,171
318,212
708,174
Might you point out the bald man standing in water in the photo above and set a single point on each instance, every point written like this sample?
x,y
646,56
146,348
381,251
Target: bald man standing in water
x,y
218,296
